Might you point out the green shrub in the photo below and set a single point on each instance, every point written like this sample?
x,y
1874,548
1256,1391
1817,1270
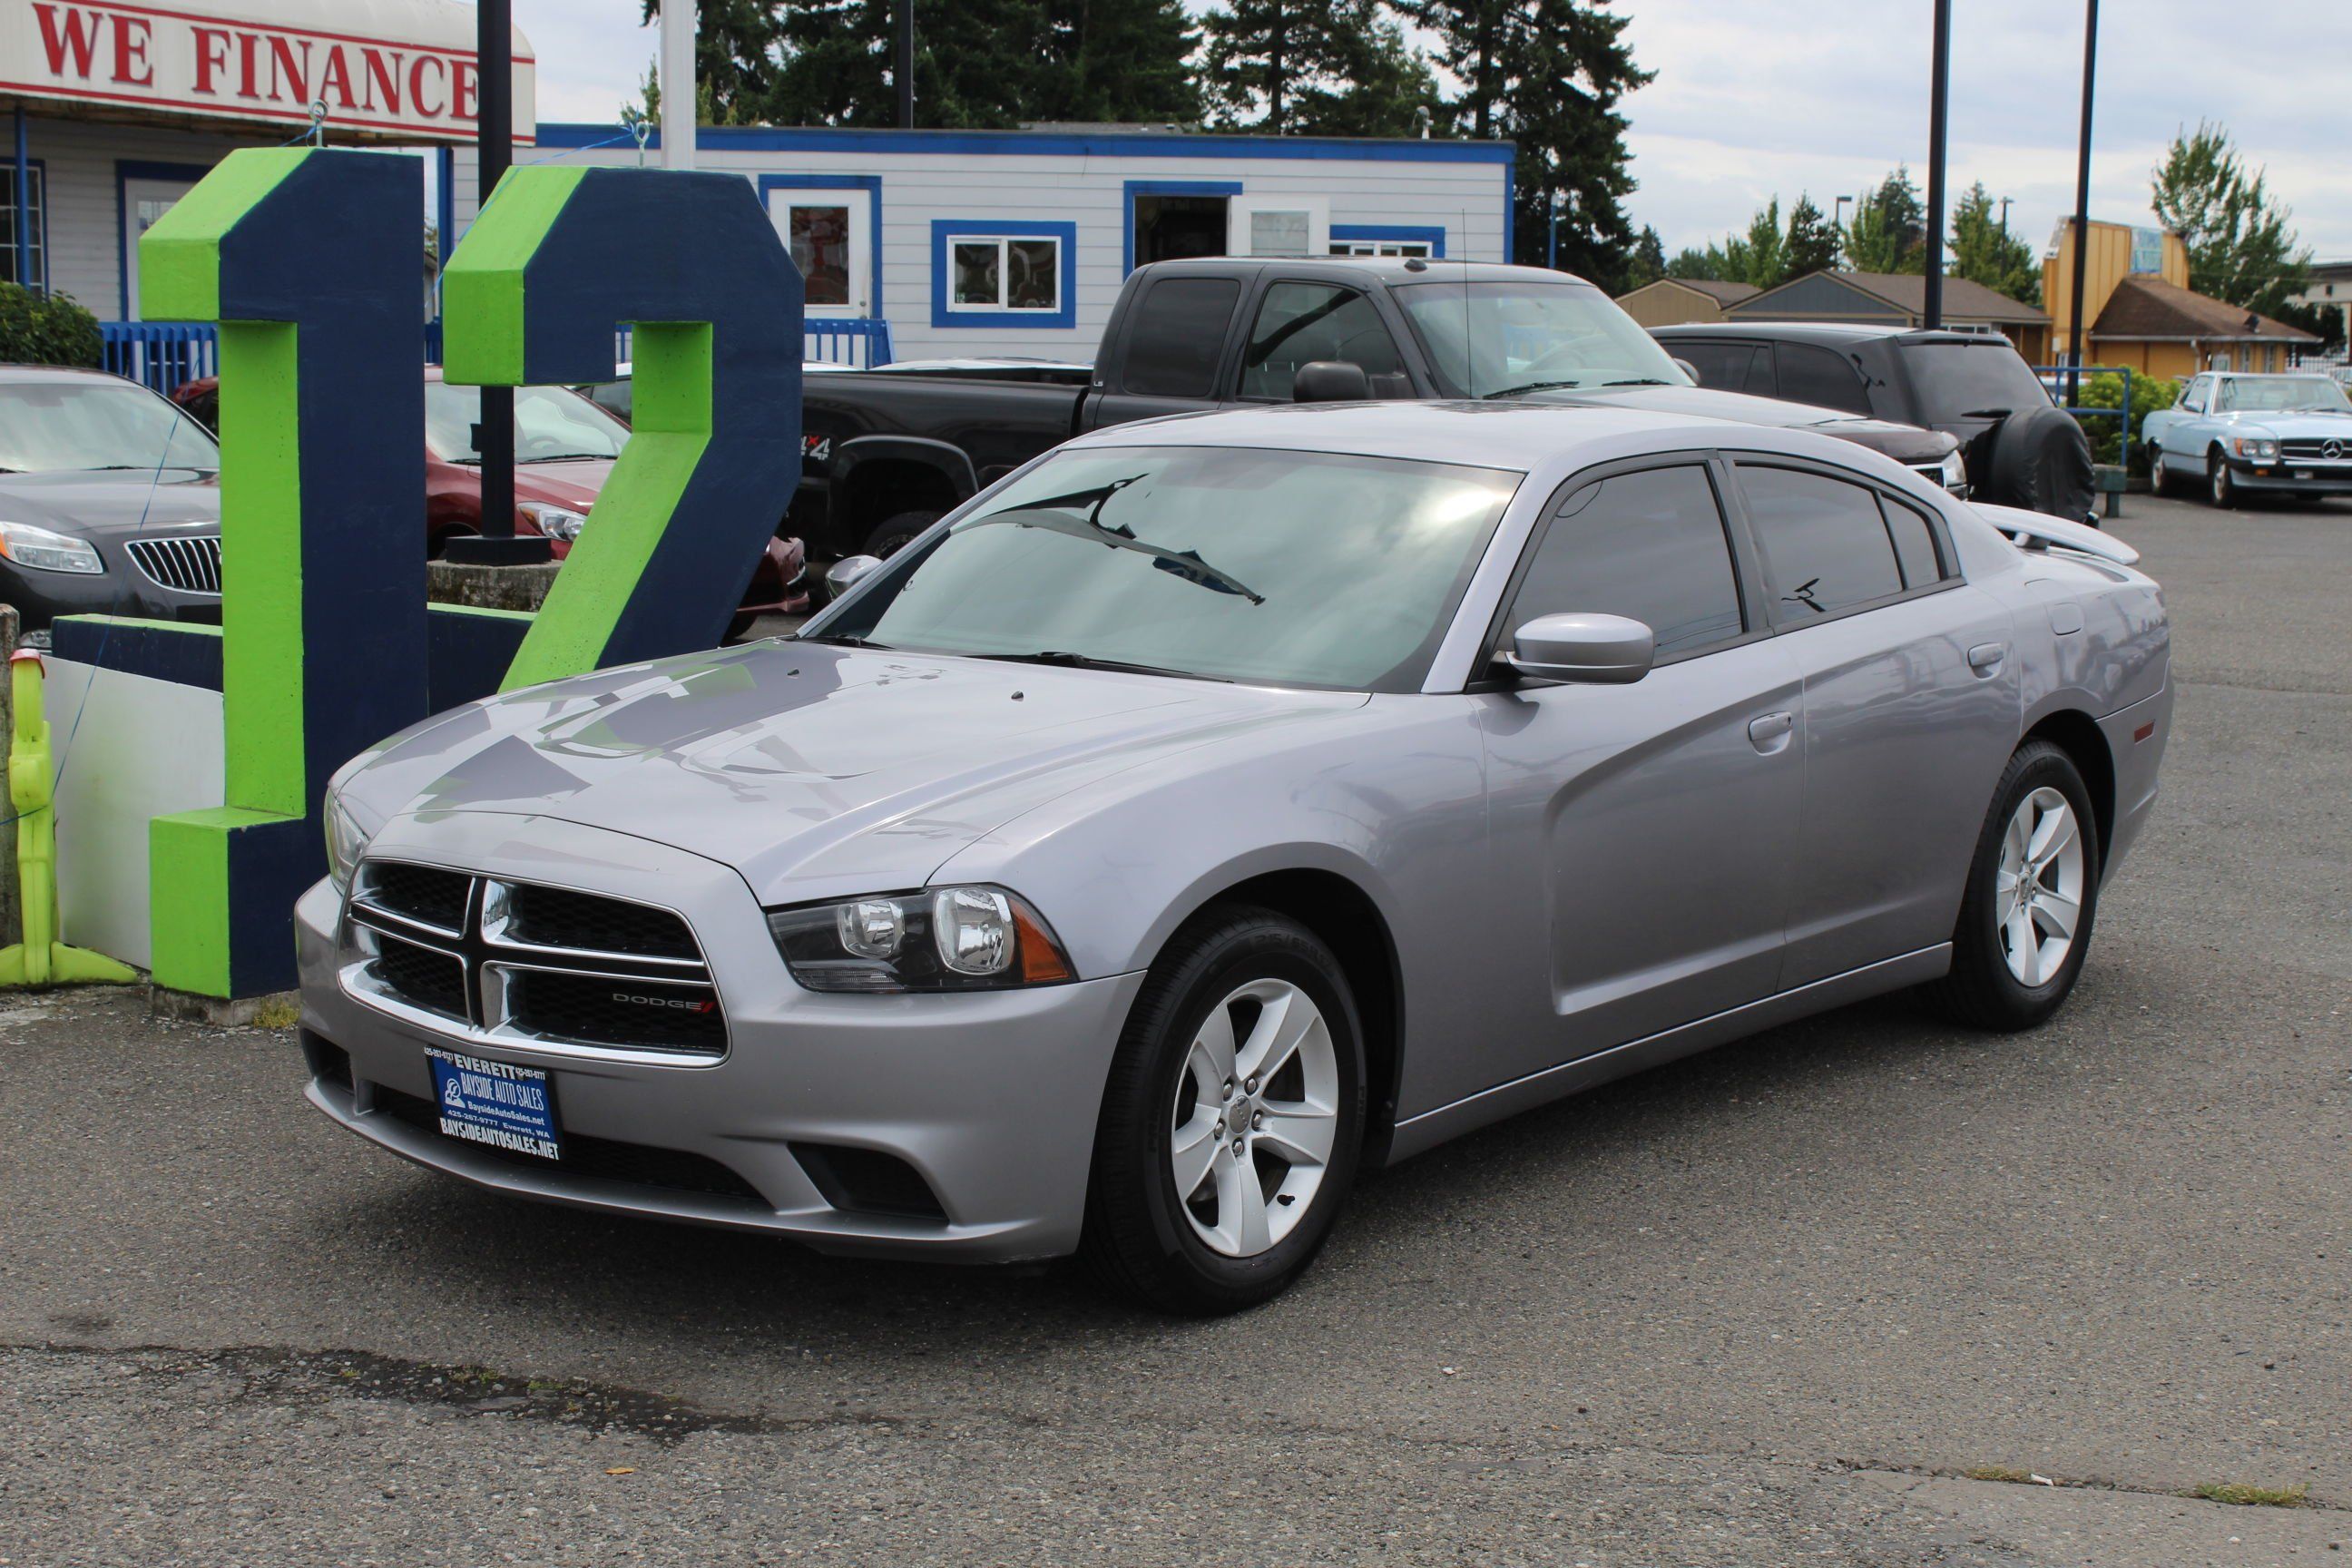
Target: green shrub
x,y
37,329
2106,391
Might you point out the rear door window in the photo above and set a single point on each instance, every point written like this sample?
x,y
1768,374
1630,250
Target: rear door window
x,y
1822,377
1824,541
1726,367
1914,544
1180,327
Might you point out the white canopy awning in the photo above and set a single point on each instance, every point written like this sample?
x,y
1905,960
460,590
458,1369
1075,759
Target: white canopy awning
x,y
394,70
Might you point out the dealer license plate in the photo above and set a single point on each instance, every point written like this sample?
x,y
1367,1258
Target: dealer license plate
x,y
2303,473
506,1107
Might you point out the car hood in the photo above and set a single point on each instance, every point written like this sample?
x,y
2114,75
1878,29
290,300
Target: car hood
x,y
814,770
2318,425
567,481
1906,443
113,500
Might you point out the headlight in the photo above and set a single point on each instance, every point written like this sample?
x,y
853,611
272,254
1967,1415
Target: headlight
x,y
555,522
347,839
46,552
945,939
2254,446
1954,473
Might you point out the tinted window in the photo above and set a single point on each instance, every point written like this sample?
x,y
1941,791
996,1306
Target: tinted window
x,y
1727,367
1914,544
1180,326
1818,376
1650,545
1952,379
1299,323
1825,545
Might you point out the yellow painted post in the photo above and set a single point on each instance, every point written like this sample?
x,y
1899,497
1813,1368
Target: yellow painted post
x,y
41,959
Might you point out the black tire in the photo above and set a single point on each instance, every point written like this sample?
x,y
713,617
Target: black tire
x,y
2041,462
1981,989
2158,480
893,535
1136,1236
2220,488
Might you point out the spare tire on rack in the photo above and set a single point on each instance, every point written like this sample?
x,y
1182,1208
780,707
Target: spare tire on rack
x,y
2041,462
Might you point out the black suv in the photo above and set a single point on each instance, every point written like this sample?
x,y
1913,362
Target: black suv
x,y
2021,450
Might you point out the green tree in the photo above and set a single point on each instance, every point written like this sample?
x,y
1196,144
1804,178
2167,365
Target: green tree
x,y
1328,67
1983,252
1549,74
1812,244
1648,263
1710,265
735,61
2241,248
1120,60
1761,254
46,329
1889,232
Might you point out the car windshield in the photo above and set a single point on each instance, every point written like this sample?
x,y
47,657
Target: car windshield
x,y
1495,339
1275,567
551,422
83,423
1957,380
2281,394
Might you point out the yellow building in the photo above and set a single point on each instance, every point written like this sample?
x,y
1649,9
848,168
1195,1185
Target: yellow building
x,y
2143,314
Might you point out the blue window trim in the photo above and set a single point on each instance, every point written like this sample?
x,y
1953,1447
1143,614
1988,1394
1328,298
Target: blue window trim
x,y
1134,188
573,135
870,184
8,177
989,227
1431,235
125,171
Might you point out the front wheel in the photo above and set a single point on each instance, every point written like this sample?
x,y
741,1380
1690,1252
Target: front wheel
x,y
2219,485
2033,890
2157,480
1232,1119
893,535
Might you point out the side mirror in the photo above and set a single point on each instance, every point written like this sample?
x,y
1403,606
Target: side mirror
x,y
1689,369
848,572
1331,381
1601,651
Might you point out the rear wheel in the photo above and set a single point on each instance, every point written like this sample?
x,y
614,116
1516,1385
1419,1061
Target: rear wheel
x,y
1232,1119
2032,890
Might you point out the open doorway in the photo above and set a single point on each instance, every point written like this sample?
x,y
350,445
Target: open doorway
x,y
1170,227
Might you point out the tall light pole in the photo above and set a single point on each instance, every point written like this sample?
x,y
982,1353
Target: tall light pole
x,y
1837,221
1939,123
2079,331
679,22
2004,215
905,69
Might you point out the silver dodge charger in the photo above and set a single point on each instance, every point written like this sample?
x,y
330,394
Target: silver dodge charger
x,y
1215,807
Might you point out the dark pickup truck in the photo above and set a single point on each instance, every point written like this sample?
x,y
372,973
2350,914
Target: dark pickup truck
x,y
888,451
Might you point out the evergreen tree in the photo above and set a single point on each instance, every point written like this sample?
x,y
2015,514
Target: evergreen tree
x,y
1323,68
2241,249
1549,74
1889,232
1983,252
1649,261
1120,60
1708,266
735,61
1812,244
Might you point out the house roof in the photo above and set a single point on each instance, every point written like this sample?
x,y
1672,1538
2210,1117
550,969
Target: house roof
x,y
1722,293
2146,307
1907,293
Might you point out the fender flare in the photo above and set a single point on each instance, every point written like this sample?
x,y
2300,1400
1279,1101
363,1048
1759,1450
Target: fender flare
x,y
945,458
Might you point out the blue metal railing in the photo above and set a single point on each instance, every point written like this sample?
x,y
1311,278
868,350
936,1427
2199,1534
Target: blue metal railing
x,y
861,341
2054,376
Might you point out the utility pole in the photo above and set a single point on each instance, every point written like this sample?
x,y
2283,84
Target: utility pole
x,y
904,71
1939,123
2004,215
2079,331
1274,70
679,22
497,544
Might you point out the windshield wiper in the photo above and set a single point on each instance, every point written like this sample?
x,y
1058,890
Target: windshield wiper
x,y
1528,387
1184,564
842,639
1068,660
560,457
1638,381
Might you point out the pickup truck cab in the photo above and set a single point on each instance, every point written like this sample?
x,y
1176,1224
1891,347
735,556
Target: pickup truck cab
x,y
887,452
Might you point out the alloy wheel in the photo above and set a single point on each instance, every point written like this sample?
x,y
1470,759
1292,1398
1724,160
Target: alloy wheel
x,y
1255,1118
2038,889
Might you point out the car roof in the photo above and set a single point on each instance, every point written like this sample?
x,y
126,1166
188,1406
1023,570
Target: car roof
x,y
1391,270
1822,332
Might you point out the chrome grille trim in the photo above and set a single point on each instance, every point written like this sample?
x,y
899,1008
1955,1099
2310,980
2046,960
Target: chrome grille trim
x,y
186,564
489,959
2313,449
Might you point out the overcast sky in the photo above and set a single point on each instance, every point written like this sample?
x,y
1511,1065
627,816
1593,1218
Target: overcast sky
x,y
1759,97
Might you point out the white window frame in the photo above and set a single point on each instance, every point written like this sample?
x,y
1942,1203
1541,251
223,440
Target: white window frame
x,y
783,199
1003,242
1315,210
1420,247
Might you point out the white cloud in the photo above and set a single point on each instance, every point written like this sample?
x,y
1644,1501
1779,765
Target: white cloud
x,y
591,55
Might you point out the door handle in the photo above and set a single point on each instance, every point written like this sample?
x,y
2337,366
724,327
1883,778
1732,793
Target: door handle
x,y
1768,732
1986,657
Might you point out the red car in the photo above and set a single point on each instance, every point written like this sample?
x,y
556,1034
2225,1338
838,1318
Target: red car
x,y
564,448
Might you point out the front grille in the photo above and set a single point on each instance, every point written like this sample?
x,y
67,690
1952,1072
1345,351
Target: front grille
x,y
607,1159
2311,449
189,563
558,917
418,974
531,961
615,1011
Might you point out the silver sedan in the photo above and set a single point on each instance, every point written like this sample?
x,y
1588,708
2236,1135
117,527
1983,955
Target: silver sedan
x,y
1217,806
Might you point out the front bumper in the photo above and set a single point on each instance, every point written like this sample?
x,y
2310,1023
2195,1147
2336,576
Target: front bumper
x,y
40,597
991,1098
2286,477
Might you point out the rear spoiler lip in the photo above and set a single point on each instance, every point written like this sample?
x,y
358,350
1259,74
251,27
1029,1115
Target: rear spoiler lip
x,y
2043,529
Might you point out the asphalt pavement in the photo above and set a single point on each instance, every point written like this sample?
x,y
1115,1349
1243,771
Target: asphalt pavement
x,y
1867,1291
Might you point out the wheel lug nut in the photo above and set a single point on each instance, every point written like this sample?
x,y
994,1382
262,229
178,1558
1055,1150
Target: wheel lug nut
x,y
1253,1086
1237,1145
1257,1119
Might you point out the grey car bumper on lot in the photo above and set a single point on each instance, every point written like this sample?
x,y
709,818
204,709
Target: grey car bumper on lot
x,y
995,1112
2291,479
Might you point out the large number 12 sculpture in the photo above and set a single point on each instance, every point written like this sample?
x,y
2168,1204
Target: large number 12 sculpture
x,y
306,257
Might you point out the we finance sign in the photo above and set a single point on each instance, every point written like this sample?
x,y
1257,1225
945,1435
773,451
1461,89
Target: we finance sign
x,y
391,69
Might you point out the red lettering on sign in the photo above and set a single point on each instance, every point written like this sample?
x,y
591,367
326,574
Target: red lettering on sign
x,y
212,56
416,87
79,36
468,89
285,74
247,45
131,35
381,88
339,78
